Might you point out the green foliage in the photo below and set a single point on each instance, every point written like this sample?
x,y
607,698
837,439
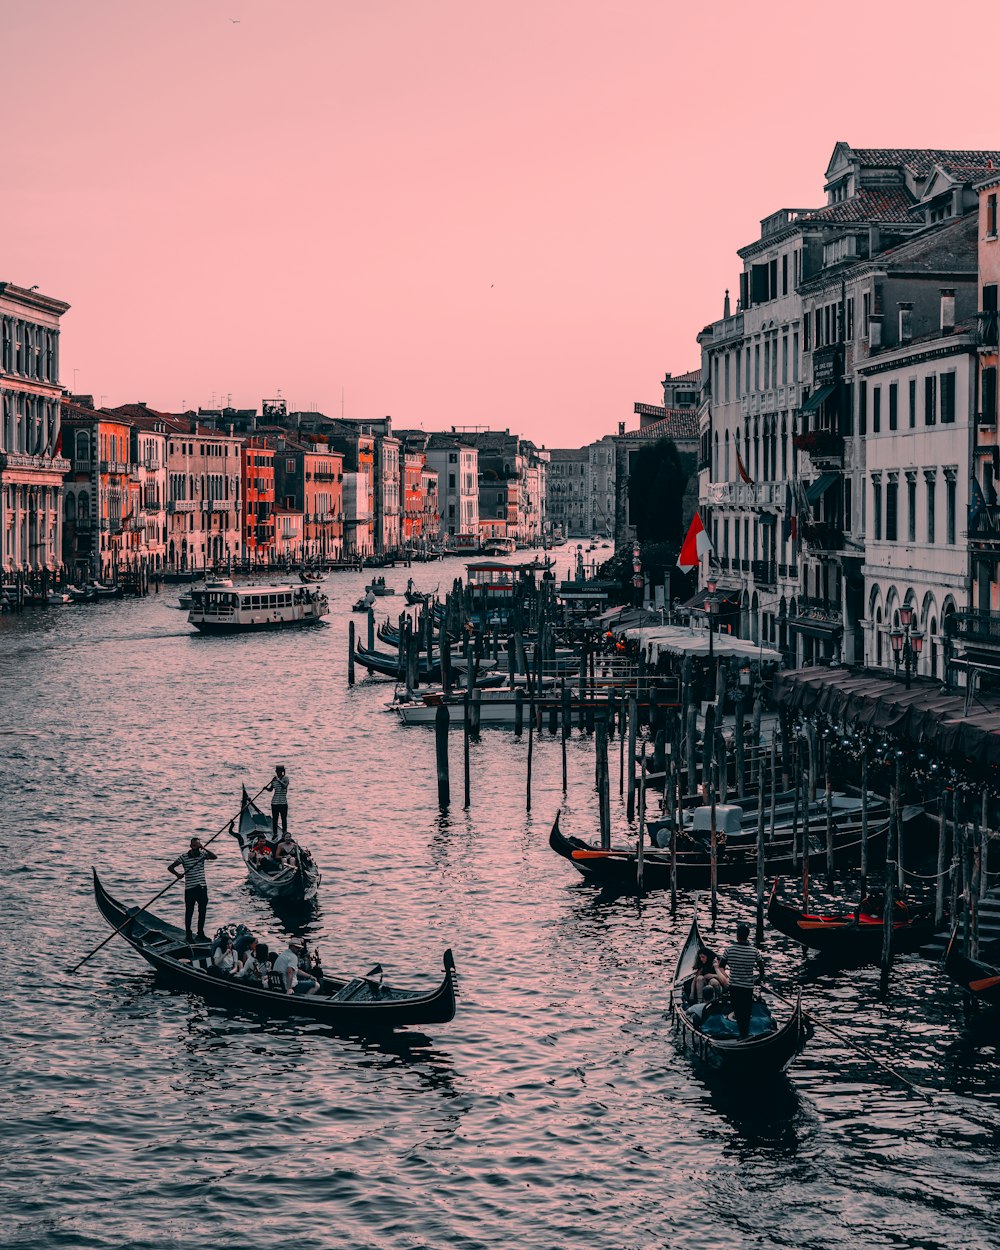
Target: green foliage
x,y
655,494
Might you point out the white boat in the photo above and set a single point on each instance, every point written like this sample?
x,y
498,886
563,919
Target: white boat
x,y
256,607
212,583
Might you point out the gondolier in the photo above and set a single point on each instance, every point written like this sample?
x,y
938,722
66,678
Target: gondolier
x,y
191,866
744,962
278,786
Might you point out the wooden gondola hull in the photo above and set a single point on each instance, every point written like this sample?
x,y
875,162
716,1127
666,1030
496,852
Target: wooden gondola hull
x,y
753,1058
389,666
163,946
618,868
844,936
980,979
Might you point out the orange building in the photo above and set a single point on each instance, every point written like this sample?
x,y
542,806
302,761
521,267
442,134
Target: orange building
x,y
258,500
413,464
101,530
309,476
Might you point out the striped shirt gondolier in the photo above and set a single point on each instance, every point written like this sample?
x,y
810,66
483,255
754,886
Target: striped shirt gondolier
x,y
193,863
280,796
743,960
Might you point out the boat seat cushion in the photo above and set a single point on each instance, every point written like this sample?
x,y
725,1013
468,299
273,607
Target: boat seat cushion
x,y
720,1025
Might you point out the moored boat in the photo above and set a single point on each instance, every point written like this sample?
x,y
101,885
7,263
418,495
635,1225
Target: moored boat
x,y
362,1005
852,934
713,1037
256,608
618,867
978,977
292,883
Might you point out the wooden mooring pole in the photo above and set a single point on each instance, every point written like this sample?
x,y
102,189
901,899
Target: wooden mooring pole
x,y
441,718
350,653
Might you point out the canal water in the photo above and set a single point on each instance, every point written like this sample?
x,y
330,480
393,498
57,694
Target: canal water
x,y
554,1111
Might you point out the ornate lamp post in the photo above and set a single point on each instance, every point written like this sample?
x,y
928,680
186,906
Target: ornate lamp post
x,y
907,642
712,608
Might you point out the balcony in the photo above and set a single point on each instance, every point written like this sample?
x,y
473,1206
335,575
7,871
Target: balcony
x,y
219,505
980,628
322,477
765,572
746,494
987,329
181,505
984,523
823,447
114,466
822,536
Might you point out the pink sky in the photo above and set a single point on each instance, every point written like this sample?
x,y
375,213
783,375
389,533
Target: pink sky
x,y
452,211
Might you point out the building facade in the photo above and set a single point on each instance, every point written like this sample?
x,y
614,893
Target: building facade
x,y
309,478
569,492
31,467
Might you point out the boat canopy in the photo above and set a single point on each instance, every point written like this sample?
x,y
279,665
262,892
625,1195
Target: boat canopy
x,y
676,640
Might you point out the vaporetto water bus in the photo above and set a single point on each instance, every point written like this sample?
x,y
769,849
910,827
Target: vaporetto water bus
x,y
223,611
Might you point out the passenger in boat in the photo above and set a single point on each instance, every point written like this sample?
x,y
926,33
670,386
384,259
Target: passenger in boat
x,y
745,964
244,944
224,958
287,848
287,967
256,963
699,1010
278,785
710,972
191,866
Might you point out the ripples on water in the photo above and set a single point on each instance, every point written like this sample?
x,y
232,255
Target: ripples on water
x,y
555,1109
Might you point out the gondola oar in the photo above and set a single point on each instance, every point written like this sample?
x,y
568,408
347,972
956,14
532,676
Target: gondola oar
x,y
114,933
860,1049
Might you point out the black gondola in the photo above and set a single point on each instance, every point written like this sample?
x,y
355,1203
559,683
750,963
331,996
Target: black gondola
x,y
618,867
290,884
357,1005
767,1051
976,976
852,934
388,665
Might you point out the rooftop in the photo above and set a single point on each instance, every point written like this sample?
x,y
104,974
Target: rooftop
x,y
680,424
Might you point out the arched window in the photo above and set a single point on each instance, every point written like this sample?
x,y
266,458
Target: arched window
x,y
83,508
69,507
82,445
878,637
726,477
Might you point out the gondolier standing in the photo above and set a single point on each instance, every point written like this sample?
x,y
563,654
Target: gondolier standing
x,y
278,786
744,961
191,866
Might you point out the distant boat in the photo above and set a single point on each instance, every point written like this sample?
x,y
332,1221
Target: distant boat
x,y
256,608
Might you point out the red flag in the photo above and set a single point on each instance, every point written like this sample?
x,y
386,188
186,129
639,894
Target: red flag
x,y
696,544
741,467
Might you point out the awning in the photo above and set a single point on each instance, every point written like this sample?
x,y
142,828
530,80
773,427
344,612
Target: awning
x,y
676,640
726,599
822,484
818,398
827,630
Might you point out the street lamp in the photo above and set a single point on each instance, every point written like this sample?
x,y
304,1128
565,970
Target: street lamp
x,y
907,642
712,608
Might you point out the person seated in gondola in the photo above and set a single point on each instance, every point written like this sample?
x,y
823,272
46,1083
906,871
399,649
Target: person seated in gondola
x,y
256,963
709,1003
287,848
286,966
224,959
710,970
262,855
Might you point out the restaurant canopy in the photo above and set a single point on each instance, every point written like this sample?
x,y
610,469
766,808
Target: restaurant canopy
x,y
675,640
924,715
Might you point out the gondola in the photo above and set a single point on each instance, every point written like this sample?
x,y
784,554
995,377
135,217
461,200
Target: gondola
x,y
852,934
617,868
766,1052
308,577
359,1005
294,885
388,665
975,976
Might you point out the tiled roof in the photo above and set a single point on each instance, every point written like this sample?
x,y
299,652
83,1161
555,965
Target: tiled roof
x,y
569,453
947,247
888,204
678,424
921,161
693,376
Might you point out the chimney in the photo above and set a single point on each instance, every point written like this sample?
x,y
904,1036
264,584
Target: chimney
x,y
725,305
905,321
621,428
947,310
875,332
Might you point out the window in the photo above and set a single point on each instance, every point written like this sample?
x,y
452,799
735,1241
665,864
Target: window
x,y
877,508
948,398
991,216
930,479
806,337
862,407
891,504
893,405
950,505
988,399
795,355
913,403
848,505
876,409
866,312
784,267
911,507
930,400
451,481
850,317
